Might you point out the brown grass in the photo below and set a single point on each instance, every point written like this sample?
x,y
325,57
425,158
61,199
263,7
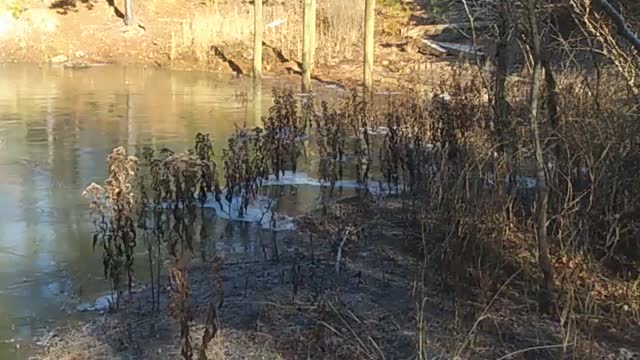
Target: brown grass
x,y
339,27
108,339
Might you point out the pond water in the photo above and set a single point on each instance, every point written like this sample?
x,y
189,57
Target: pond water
x,y
56,128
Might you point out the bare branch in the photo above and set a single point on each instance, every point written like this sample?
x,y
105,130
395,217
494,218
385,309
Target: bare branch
x,y
621,24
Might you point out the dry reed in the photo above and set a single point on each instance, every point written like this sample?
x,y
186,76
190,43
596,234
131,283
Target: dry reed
x,y
340,26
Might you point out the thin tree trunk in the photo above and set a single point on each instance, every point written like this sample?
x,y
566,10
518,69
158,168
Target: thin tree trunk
x,y
258,29
159,257
369,27
502,68
308,37
427,7
151,275
546,300
553,115
129,18
312,40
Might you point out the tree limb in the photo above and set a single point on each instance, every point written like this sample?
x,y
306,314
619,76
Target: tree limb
x,y
621,24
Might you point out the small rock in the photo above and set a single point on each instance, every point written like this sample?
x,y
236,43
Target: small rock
x,y
444,96
58,59
102,304
84,307
55,288
385,62
75,65
624,354
80,54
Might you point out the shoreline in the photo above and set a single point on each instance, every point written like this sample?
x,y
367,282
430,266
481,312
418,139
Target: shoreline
x,y
94,35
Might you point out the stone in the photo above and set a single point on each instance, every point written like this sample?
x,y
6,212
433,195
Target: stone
x,y
80,54
624,354
102,304
58,59
76,65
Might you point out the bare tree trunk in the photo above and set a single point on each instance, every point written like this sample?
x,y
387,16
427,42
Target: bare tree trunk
x,y
546,300
502,68
312,40
308,39
553,115
258,29
427,7
369,45
129,18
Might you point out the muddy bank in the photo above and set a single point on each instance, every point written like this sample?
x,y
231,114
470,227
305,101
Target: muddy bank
x,y
205,38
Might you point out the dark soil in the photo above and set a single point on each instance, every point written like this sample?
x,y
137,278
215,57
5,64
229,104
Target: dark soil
x,y
296,306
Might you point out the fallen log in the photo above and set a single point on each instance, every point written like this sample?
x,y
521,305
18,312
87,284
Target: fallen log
x,y
424,47
432,48
423,30
455,49
441,48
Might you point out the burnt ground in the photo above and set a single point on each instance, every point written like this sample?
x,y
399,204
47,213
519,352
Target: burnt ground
x,y
289,307
297,306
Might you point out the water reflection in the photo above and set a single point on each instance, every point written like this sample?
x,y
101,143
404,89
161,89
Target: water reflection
x,y
56,128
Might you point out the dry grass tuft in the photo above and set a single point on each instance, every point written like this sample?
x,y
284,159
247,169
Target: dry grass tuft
x,y
339,26
340,30
109,339
217,23
79,347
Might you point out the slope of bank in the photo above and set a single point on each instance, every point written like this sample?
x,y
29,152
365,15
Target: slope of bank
x,y
215,37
